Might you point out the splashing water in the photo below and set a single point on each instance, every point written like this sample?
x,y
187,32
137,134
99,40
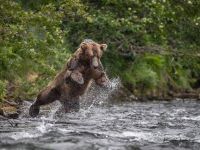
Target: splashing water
x,y
99,125
98,96
53,109
44,126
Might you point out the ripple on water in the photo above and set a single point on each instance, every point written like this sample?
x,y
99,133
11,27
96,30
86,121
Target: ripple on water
x,y
136,125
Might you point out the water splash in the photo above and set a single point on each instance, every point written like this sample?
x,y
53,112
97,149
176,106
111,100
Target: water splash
x,y
44,126
48,121
54,107
98,95
94,97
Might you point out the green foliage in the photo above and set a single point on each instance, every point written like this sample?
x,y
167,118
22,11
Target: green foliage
x,y
2,89
30,42
146,71
36,37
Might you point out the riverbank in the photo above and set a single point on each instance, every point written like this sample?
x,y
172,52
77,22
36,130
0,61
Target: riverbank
x,y
123,94
11,108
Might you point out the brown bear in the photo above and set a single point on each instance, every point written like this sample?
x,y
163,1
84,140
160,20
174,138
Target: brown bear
x,y
75,78
75,63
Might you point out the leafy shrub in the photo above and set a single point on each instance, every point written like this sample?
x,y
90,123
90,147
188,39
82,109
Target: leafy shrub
x,y
37,37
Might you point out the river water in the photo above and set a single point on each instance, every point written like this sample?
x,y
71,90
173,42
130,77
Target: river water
x,y
102,125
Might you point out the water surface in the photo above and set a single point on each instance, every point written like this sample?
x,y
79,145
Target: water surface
x,y
103,125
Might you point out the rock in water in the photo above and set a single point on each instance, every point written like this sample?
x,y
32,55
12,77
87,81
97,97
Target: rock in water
x,y
9,112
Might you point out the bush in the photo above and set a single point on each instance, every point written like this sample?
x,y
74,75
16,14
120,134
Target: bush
x,y
37,37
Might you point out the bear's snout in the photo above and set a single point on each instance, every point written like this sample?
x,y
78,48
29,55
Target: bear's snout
x,y
94,62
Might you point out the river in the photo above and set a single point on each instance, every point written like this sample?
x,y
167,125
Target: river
x,y
102,125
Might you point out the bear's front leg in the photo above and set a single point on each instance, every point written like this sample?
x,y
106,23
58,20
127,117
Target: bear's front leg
x,y
100,78
77,77
74,71
74,76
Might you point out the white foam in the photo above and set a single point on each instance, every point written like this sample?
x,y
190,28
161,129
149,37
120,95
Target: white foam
x,y
63,130
196,118
138,135
44,127
23,135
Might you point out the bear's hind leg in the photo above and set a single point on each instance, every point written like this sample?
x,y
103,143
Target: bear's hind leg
x,y
34,110
45,97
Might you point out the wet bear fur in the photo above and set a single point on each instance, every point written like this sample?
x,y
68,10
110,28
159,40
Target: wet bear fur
x,y
74,79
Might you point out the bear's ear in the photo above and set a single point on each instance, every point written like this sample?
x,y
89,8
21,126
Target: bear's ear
x,y
103,47
83,46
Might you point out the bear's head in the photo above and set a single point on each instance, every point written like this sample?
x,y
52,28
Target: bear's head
x,y
92,52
